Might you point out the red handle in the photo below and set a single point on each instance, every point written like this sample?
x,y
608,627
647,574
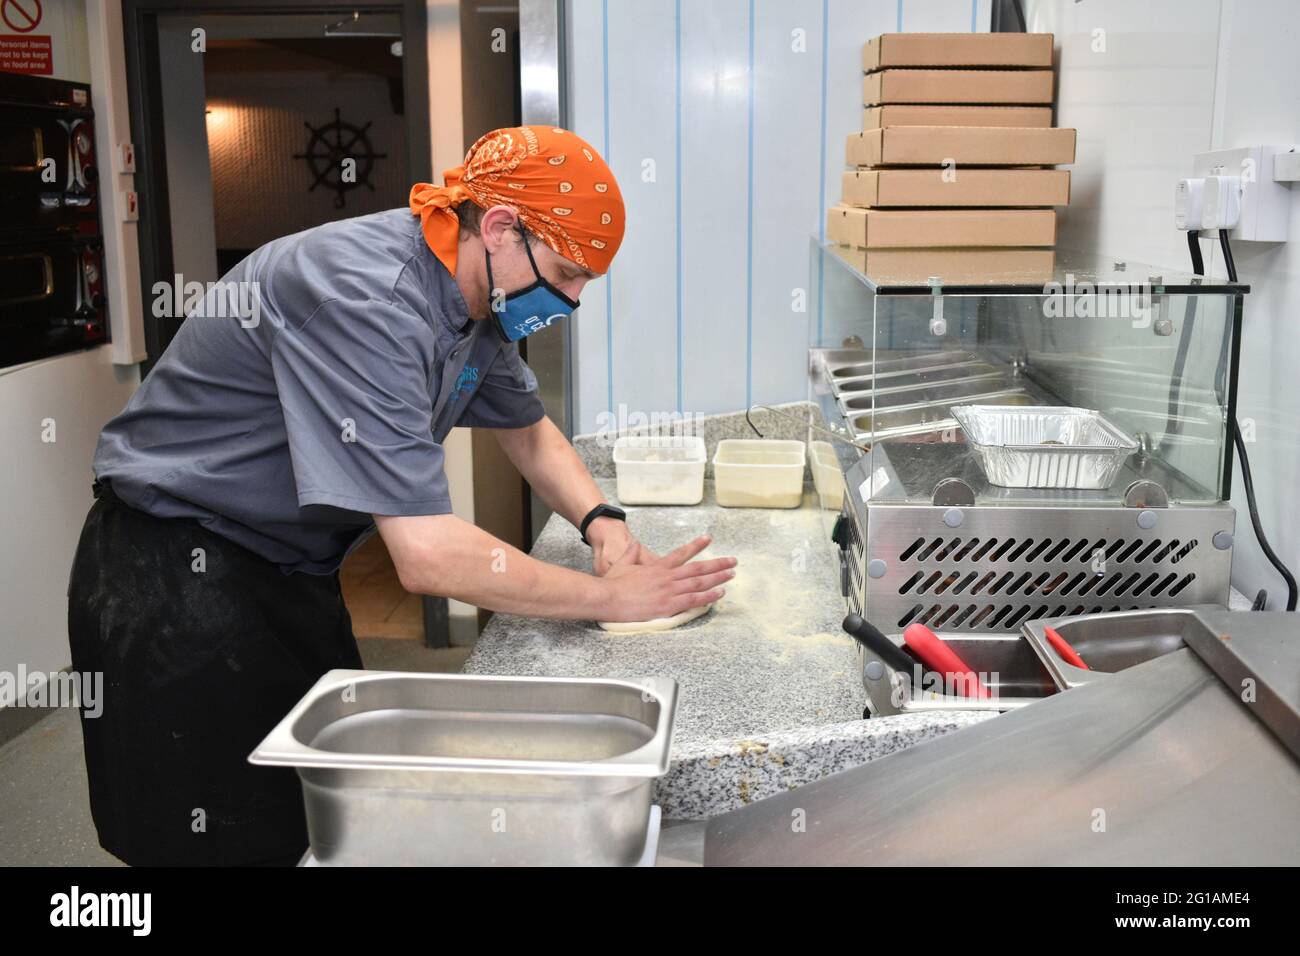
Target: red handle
x,y
1064,649
938,656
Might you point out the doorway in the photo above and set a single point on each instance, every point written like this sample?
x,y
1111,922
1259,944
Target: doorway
x,y
167,43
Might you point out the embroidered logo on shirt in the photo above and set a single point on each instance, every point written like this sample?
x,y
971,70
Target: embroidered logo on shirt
x,y
467,377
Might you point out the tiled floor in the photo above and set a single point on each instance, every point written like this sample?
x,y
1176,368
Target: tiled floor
x,y
44,812
46,816
375,598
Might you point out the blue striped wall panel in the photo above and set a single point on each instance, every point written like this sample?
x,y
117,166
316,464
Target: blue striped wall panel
x,y
724,121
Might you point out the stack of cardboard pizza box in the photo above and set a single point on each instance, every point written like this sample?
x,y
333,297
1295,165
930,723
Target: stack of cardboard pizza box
x,y
956,157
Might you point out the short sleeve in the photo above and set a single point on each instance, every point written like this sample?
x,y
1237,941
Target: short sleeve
x,y
507,397
353,383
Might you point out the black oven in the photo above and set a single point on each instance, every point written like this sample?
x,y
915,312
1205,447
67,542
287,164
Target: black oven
x,y
51,248
51,297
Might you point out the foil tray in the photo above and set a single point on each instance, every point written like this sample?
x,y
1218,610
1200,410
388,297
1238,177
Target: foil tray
x,y
1045,446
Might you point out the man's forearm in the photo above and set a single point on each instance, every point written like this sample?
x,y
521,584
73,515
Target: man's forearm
x,y
443,555
548,462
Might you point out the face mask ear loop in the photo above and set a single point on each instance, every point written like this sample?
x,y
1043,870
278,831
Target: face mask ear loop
x,y
541,279
528,249
487,259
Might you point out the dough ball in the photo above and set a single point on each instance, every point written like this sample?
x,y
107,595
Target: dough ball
x,y
658,624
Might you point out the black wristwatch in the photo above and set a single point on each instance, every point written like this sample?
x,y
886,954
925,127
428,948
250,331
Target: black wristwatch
x,y
600,511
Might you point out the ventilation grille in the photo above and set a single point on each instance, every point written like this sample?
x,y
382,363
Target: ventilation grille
x,y
1147,572
1048,550
995,581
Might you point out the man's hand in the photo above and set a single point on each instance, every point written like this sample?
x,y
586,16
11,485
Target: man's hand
x,y
664,586
611,542
631,582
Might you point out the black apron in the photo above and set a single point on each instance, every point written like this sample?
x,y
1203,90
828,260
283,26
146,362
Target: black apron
x,y
197,666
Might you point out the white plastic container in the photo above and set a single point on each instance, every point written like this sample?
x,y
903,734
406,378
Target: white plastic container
x,y
827,474
759,473
660,469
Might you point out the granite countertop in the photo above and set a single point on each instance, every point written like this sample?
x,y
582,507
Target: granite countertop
x,y
770,695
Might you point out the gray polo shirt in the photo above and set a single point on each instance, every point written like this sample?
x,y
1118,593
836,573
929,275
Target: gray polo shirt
x,y
312,389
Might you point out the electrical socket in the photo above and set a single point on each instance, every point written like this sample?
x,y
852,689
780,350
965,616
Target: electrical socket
x,y
1286,166
1265,203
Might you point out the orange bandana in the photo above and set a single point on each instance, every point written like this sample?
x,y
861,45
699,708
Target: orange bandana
x,y
561,188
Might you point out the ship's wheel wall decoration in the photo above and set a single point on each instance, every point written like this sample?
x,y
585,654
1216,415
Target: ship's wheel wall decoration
x,y
326,151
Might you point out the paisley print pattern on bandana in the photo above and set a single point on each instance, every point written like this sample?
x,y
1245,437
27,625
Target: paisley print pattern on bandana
x,y
519,167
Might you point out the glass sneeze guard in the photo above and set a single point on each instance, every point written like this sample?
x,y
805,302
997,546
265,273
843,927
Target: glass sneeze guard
x,y
899,337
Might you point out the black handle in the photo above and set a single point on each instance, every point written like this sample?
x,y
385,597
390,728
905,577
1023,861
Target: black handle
x,y
840,531
866,634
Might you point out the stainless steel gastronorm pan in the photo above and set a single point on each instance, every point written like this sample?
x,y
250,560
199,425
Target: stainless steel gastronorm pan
x,y
949,392
862,389
867,375
461,769
1045,446
843,363
925,416
1005,662
1112,642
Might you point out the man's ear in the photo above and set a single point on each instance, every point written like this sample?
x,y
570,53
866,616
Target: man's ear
x,y
498,227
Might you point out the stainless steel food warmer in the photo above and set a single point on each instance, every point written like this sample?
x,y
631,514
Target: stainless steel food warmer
x,y
931,528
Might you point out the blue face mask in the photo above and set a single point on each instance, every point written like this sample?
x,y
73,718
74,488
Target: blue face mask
x,y
532,308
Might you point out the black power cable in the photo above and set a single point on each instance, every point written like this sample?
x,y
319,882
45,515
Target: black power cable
x,y
1269,553
1194,247
1247,481
1227,254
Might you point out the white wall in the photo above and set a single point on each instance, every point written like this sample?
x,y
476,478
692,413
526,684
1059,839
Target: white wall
x,y
45,493
1179,77
1258,101
742,107
106,54
1141,95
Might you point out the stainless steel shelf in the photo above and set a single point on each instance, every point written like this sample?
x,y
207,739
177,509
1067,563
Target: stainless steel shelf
x,y
902,403
908,472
